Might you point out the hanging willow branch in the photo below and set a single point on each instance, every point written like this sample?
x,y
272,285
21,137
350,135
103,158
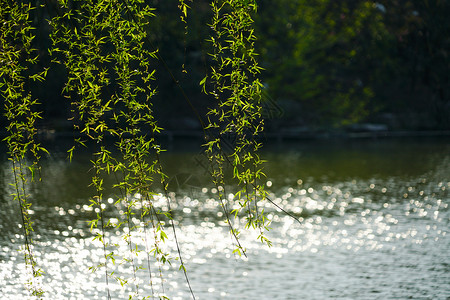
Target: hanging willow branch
x,y
110,84
104,48
16,57
236,121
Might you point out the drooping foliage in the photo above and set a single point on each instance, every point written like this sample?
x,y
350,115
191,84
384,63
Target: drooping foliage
x,y
110,87
16,58
233,82
328,63
110,61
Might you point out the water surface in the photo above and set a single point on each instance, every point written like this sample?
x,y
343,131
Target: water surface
x,y
373,224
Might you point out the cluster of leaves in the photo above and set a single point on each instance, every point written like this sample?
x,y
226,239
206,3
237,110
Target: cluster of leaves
x,y
16,57
235,124
110,78
103,47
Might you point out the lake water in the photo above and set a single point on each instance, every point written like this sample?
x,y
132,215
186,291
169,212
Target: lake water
x,y
374,221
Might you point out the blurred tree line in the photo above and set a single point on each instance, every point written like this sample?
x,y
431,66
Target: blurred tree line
x,y
328,64
334,63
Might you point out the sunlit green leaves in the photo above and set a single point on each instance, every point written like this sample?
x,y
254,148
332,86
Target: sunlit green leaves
x,y
104,48
237,116
110,89
16,59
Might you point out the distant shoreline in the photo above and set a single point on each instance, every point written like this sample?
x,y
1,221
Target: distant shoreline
x,y
172,135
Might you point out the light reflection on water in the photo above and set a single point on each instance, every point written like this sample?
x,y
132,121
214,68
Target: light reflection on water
x,y
375,232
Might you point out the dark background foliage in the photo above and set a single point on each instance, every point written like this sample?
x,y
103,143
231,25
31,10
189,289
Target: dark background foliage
x,y
328,64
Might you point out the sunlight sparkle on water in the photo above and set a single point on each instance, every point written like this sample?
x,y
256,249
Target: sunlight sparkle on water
x,y
393,232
